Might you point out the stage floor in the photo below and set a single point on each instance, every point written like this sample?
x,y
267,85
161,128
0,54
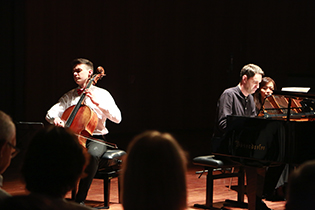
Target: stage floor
x,y
196,190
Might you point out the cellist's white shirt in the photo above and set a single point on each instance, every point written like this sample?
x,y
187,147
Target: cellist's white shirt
x,y
107,108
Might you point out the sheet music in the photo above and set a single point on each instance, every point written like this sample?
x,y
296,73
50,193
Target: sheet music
x,y
296,89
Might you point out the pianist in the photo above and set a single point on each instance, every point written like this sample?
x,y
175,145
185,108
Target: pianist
x,y
239,101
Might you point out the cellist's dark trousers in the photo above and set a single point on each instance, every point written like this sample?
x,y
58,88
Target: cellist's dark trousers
x,y
96,150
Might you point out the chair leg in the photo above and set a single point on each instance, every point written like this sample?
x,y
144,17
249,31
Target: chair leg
x,y
209,192
106,192
239,203
119,198
73,194
106,187
241,185
231,179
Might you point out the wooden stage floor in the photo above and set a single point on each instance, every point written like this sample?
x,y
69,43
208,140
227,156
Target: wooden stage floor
x,y
196,189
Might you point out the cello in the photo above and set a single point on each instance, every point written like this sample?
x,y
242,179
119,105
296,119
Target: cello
x,y
81,119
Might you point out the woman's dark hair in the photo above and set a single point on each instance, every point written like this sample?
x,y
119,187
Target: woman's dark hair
x,y
257,94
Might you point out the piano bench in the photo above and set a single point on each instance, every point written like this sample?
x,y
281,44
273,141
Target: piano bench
x,y
109,168
212,163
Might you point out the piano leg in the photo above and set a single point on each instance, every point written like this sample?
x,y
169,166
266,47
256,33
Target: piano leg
x,y
255,183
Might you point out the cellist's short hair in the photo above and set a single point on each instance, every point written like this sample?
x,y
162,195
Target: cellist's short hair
x,y
78,61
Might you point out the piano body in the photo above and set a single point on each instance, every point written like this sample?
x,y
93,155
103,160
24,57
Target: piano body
x,y
283,132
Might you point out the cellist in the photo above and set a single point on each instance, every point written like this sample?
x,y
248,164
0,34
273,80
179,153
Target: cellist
x,y
101,102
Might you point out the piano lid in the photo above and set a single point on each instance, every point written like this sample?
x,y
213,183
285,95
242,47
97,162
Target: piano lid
x,y
286,105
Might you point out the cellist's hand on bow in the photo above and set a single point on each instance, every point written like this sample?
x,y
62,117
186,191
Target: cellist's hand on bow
x,y
59,122
90,95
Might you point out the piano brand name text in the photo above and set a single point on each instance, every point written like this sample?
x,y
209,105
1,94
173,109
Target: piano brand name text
x,y
249,146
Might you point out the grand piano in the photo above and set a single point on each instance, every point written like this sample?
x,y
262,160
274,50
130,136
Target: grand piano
x,y
283,132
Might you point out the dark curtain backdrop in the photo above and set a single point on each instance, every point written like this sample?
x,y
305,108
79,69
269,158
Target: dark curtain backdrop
x,y
166,61
12,58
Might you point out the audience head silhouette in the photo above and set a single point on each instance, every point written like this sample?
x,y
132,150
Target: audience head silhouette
x,y
154,173
54,162
7,147
7,140
301,185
